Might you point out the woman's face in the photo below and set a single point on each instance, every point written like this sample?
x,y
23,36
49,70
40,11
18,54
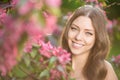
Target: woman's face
x,y
81,35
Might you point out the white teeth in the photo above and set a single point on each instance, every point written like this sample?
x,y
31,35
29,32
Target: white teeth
x,y
77,45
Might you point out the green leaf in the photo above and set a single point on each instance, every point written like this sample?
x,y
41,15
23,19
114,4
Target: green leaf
x,y
36,46
72,79
5,1
52,60
69,68
27,59
21,42
33,53
55,11
17,72
44,73
41,18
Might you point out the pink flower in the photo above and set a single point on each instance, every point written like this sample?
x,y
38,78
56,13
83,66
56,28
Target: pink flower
x,y
41,59
26,7
33,30
2,11
9,36
39,4
14,2
53,3
3,17
51,23
92,1
63,56
116,59
55,74
109,25
28,47
8,59
46,49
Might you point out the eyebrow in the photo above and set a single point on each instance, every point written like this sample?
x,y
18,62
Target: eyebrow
x,y
89,30
76,25
85,29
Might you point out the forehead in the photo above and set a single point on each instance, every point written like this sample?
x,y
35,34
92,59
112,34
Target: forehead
x,y
83,22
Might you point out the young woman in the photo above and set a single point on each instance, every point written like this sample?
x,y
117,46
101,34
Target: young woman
x,y
85,36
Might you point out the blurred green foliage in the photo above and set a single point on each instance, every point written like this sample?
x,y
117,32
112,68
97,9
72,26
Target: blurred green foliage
x,y
113,11
71,5
4,1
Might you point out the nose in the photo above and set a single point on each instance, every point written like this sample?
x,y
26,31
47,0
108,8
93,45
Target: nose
x,y
79,36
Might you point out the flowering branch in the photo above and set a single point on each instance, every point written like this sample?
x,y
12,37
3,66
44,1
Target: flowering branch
x,y
29,75
115,3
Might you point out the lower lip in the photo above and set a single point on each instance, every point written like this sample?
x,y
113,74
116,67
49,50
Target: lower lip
x,y
76,47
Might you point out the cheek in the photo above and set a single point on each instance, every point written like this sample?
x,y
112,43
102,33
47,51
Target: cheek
x,y
90,41
70,37
71,34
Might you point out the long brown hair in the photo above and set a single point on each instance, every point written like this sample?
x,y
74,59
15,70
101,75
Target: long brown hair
x,y
94,68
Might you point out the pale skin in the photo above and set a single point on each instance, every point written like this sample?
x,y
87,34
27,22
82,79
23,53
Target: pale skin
x,y
81,38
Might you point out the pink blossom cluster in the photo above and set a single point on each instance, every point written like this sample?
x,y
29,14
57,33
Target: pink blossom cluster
x,y
96,1
35,5
63,58
14,29
54,74
2,15
14,2
30,6
51,23
110,25
9,36
53,3
47,51
116,60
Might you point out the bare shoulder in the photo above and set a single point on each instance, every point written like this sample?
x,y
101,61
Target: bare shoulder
x,y
111,73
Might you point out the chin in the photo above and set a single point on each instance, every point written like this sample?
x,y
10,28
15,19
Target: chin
x,y
76,52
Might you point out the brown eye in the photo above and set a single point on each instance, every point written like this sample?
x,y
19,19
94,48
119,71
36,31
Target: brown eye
x,y
89,33
73,28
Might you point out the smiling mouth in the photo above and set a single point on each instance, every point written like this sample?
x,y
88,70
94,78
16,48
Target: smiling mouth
x,y
77,45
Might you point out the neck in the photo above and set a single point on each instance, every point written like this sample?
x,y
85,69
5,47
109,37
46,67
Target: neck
x,y
78,61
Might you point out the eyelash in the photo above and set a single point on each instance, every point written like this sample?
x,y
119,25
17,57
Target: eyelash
x,y
89,33
73,28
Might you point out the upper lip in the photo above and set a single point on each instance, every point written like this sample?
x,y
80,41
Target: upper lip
x,y
78,43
